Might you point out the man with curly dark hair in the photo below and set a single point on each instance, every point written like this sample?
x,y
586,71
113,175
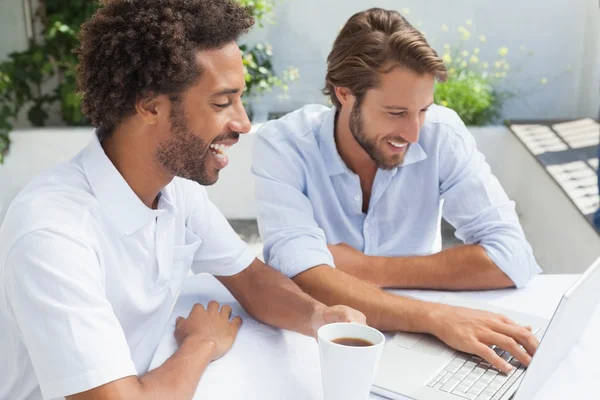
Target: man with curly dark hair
x,y
94,252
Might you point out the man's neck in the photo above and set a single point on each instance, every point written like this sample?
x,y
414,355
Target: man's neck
x,y
351,152
134,160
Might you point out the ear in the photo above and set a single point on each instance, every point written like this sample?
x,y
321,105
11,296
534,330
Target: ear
x,y
344,95
150,107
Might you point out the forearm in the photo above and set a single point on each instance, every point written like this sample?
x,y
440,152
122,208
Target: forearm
x,y
176,379
465,267
273,298
384,311
179,376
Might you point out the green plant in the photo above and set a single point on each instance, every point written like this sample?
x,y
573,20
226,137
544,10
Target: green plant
x,y
473,88
476,89
44,76
259,72
25,76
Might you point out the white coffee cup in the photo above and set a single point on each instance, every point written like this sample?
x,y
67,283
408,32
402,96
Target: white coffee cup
x,y
348,372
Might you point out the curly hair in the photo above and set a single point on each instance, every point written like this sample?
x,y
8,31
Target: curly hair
x,y
368,44
131,49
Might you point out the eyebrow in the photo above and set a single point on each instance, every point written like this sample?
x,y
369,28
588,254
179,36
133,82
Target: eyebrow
x,y
225,92
404,108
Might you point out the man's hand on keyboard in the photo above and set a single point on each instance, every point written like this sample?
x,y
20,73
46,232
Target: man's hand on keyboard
x,y
474,331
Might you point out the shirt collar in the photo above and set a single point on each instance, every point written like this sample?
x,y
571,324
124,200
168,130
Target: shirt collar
x,y
116,198
333,161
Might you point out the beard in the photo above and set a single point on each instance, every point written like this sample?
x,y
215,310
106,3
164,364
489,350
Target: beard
x,y
370,145
185,154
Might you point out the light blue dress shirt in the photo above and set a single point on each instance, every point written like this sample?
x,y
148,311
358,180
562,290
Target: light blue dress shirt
x,y
308,198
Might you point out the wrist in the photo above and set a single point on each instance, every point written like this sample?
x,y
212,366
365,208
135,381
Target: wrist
x,y
433,316
317,318
201,345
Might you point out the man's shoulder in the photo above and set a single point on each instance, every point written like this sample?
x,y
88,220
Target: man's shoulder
x,y
442,125
296,125
440,117
59,199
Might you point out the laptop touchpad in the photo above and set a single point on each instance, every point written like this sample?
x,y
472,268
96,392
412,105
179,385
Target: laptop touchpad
x,y
407,339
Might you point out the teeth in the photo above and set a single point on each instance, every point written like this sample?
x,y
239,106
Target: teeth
x,y
219,148
396,144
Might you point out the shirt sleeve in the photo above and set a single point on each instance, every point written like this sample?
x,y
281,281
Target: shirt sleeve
x,y
477,206
55,292
293,241
222,252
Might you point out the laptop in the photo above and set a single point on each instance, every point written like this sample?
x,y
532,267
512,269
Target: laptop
x,y
421,367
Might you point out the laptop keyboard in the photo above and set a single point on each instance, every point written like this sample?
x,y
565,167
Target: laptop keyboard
x,y
470,377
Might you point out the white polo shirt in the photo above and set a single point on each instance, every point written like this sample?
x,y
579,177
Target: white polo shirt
x,y
88,274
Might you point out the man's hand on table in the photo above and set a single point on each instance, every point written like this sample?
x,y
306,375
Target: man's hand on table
x,y
209,325
327,315
473,331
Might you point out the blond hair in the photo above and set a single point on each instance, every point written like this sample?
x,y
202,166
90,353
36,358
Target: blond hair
x,y
373,42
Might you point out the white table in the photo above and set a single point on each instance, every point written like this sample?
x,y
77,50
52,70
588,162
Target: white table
x,y
266,363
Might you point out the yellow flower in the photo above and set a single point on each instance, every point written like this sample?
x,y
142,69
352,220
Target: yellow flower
x,y
476,50
498,75
465,53
447,59
544,81
482,38
498,64
474,59
506,66
503,74
405,11
485,65
452,70
444,103
447,46
464,32
502,51
463,64
444,28
469,22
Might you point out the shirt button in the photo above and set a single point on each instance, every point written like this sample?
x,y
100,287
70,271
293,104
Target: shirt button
x,y
357,198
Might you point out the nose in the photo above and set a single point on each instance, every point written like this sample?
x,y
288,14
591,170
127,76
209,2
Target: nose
x,y
240,122
411,129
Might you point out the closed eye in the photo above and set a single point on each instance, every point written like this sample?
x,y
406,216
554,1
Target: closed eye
x,y
223,105
397,114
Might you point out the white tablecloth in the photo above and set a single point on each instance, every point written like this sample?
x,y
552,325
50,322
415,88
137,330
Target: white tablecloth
x,y
269,364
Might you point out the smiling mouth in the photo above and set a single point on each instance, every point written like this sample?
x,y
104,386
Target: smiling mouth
x,y
397,145
219,149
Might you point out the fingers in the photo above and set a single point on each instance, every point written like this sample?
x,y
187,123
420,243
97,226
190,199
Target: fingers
x,y
178,321
226,311
213,306
490,356
522,335
509,344
358,317
237,322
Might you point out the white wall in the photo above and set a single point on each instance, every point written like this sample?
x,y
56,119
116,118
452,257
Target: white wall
x,y
13,34
563,241
561,33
